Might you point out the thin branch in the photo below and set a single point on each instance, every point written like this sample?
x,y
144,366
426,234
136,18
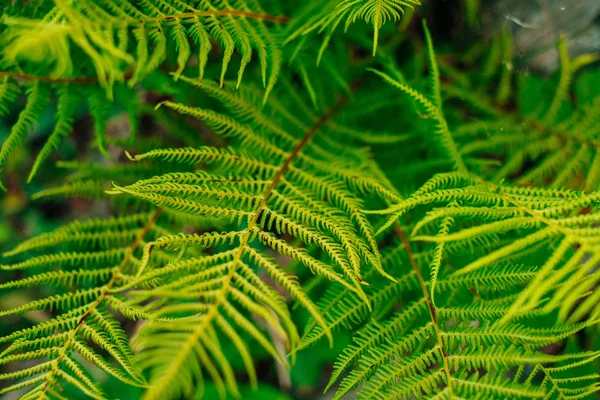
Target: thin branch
x,y
26,77
236,13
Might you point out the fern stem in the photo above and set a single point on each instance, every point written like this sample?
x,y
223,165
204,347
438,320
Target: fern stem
x,y
228,13
432,311
93,306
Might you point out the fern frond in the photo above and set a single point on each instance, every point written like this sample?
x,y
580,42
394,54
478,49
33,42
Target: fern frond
x,y
533,216
433,109
448,225
546,216
554,146
102,32
448,342
277,189
8,94
83,318
37,101
495,293
67,106
68,97
319,18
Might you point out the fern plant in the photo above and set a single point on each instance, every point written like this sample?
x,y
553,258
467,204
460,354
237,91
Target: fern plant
x,y
441,210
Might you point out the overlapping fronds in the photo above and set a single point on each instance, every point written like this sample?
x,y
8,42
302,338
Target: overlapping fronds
x,y
105,275
511,269
480,324
50,38
117,35
530,219
70,100
344,310
126,42
453,231
554,142
456,347
123,41
87,261
561,220
271,182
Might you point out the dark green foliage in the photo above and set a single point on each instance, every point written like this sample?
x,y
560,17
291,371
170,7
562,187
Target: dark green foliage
x,y
440,210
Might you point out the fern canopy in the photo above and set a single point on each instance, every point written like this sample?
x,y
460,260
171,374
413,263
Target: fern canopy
x,y
432,218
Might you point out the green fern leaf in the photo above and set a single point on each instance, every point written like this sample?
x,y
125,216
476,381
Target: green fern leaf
x,y
316,17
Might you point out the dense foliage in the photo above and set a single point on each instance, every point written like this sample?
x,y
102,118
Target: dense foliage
x,y
250,192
